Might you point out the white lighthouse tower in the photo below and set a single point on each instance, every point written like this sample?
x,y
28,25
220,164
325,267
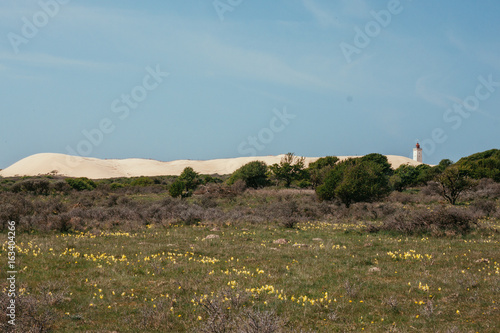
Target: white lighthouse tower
x,y
417,153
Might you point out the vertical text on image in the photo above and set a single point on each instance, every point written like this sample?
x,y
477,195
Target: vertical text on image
x,y
11,272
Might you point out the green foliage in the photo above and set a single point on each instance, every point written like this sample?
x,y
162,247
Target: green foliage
x,y
81,184
142,181
425,173
177,188
320,168
190,178
364,181
403,177
443,164
355,180
289,169
115,186
453,181
380,160
483,165
207,179
254,174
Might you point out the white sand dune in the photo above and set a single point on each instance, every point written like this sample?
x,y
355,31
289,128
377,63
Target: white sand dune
x,y
94,168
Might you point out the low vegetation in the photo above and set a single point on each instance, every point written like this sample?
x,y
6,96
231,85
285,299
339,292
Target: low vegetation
x,y
241,253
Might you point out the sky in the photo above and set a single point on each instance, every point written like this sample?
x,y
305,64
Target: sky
x,y
205,79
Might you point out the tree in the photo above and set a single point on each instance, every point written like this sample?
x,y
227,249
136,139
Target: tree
x,y
254,174
453,182
355,180
190,178
483,165
443,164
289,169
425,174
320,168
380,160
404,176
363,181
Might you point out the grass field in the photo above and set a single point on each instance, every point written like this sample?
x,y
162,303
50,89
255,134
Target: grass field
x,y
324,277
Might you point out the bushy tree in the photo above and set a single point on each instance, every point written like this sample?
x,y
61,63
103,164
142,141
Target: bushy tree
x,y
379,159
254,174
364,181
290,168
483,165
425,174
453,182
355,180
403,177
320,168
190,178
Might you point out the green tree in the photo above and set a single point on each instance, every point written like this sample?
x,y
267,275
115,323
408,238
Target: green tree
x,y
403,177
453,182
190,178
363,181
320,168
443,164
355,180
289,169
425,174
380,160
254,174
483,165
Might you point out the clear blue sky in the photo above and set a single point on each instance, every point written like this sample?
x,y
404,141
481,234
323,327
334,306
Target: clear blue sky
x,y
86,68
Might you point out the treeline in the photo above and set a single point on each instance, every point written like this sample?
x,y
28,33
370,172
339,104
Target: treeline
x,y
364,179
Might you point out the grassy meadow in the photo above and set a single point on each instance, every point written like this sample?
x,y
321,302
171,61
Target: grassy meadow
x,y
328,271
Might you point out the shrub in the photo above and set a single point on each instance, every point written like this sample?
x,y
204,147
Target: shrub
x,y
116,186
81,184
254,174
177,188
355,181
61,186
142,181
289,169
35,186
483,207
436,222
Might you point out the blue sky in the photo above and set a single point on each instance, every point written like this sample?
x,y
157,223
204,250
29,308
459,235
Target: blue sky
x,y
248,77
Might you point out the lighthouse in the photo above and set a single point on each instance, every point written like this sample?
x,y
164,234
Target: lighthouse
x,y
417,153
